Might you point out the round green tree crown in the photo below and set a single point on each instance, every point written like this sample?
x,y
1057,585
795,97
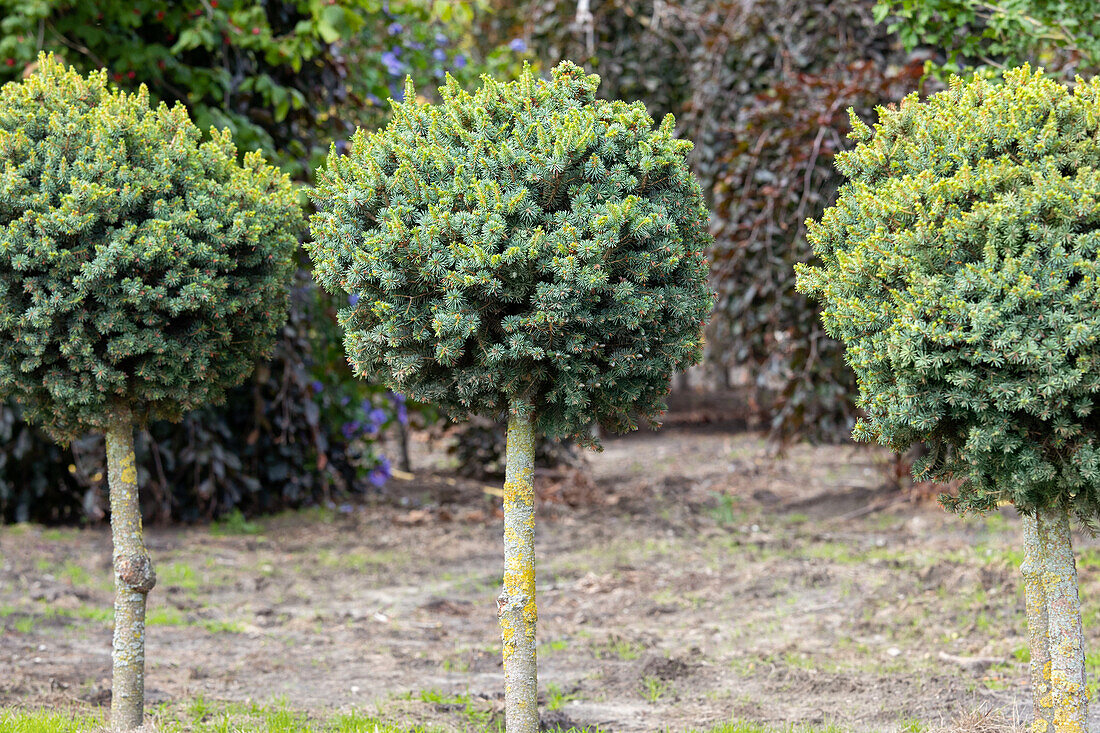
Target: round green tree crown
x,y
138,265
527,241
960,268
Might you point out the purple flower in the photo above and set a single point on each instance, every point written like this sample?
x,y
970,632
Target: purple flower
x,y
397,93
392,63
396,397
395,28
350,429
345,509
396,50
373,99
381,472
441,40
317,386
377,416
459,61
344,401
353,299
416,46
518,45
439,55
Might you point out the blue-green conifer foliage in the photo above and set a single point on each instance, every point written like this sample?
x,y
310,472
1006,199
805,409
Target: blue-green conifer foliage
x,y
961,268
527,241
139,265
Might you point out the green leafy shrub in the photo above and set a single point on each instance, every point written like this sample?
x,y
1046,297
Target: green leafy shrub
x,y
284,76
525,242
1060,34
138,266
960,270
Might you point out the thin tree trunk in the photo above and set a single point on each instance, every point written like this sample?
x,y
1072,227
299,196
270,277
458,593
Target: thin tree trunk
x,y
134,577
1037,631
403,443
1067,659
516,605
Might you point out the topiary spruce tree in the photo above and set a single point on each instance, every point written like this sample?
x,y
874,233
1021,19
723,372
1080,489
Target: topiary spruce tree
x,y
142,272
529,251
961,268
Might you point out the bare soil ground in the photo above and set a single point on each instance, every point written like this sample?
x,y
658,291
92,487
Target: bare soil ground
x,y
706,580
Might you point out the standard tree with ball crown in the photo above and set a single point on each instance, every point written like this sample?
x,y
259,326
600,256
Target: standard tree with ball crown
x,y
142,272
961,268
529,251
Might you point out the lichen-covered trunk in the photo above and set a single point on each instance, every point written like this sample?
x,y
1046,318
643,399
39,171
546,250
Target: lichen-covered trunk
x,y
1037,629
516,605
1069,696
134,577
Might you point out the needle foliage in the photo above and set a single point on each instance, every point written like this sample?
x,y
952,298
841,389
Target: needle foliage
x,y
527,241
961,268
139,266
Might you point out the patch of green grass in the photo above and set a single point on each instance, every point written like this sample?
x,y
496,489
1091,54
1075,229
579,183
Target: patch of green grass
x,y
58,535
653,688
31,615
455,664
479,715
617,646
357,561
179,575
78,575
205,716
47,721
725,509
234,523
555,697
222,627
1092,673
554,645
164,616
168,616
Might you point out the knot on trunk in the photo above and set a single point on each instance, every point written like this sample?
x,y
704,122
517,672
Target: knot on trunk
x,y
136,572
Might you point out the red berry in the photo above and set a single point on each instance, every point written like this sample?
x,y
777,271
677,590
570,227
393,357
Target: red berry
x,y
130,75
213,3
10,62
160,15
255,31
